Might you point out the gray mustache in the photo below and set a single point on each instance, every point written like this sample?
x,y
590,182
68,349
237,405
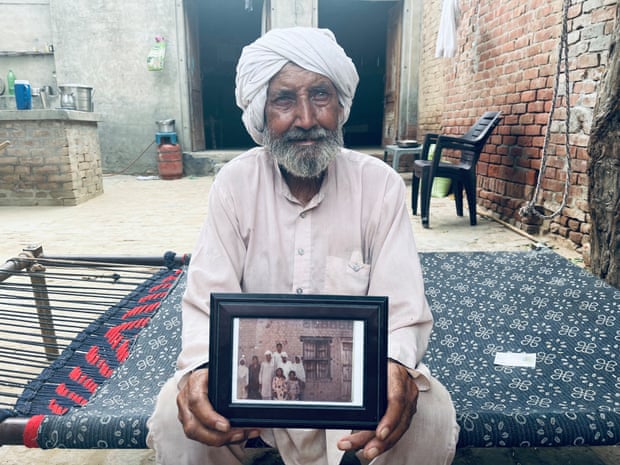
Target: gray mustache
x,y
302,134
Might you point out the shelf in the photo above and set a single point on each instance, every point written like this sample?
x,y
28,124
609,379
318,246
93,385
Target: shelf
x,y
4,53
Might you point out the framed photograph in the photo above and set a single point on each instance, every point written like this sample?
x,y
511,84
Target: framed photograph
x,y
298,361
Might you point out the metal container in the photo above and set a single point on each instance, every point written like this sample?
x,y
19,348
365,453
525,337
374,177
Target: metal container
x,y
407,144
165,125
82,95
43,96
67,101
38,93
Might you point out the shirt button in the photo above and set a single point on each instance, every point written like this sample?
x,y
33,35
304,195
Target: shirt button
x,y
299,290
300,251
303,214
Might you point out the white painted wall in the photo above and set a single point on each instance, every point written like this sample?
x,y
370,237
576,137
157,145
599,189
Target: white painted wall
x,y
104,44
25,27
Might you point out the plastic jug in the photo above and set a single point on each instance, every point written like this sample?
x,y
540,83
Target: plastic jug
x,y
23,95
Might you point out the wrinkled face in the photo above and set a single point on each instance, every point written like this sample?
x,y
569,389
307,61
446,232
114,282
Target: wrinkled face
x,y
302,113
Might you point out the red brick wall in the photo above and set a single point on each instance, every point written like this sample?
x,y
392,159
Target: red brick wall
x,y
431,97
506,59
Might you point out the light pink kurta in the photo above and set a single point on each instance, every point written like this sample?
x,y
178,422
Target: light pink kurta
x,y
354,237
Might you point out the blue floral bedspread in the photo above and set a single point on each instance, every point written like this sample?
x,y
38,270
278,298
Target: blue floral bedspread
x,y
531,302
526,302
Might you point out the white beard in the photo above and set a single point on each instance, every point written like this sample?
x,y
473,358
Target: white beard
x,y
307,161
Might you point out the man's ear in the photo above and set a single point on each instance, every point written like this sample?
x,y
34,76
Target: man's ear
x,y
340,114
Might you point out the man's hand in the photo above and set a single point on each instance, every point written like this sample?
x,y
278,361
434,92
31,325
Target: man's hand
x,y
200,421
402,402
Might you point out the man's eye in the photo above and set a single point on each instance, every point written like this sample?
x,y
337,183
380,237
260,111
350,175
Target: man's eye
x,y
321,96
283,101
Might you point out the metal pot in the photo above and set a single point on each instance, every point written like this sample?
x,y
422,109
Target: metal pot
x,y
165,125
67,100
82,96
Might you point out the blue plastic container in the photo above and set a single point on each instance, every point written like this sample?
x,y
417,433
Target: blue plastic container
x,y
23,95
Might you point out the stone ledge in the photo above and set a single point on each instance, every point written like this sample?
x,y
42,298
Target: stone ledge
x,y
206,163
50,114
209,162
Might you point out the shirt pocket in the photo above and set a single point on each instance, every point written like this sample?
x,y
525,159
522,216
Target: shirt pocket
x,y
347,277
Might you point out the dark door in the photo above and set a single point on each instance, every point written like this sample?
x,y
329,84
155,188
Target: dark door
x,y
225,27
361,27
193,75
392,76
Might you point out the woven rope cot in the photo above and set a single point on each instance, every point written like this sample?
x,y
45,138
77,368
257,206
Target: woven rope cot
x,y
67,325
88,342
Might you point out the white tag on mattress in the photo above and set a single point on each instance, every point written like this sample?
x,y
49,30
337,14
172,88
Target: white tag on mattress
x,y
515,359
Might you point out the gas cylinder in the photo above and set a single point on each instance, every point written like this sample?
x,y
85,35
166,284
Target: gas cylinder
x,y
170,161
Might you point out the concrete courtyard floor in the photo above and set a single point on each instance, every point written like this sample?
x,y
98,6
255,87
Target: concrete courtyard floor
x,y
146,216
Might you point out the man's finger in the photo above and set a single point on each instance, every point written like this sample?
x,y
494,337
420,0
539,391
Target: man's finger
x,y
198,403
355,441
200,421
402,403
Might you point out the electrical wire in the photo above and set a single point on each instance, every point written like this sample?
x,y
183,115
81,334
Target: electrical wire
x,y
530,207
132,163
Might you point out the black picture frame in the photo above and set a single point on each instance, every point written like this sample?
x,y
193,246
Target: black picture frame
x,y
365,316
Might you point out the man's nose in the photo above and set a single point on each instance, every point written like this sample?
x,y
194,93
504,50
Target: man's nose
x,y
306,114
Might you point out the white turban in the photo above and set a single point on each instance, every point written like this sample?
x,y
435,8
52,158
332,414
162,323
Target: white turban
x,y
310,48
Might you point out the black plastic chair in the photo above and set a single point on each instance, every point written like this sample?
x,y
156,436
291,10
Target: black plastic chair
x,y
462,174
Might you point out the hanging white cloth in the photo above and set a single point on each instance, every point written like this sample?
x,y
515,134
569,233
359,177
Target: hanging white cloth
x,y
448,23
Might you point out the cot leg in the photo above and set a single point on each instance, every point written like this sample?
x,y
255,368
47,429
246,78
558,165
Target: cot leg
x,y
42,302
12,431
44,312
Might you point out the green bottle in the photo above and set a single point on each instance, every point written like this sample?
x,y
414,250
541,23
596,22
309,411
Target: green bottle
x,y
10,80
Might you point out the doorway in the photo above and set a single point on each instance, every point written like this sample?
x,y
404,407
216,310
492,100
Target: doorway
x,y
361,29
224,28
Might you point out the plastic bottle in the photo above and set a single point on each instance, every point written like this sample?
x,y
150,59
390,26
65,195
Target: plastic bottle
x,y
10,81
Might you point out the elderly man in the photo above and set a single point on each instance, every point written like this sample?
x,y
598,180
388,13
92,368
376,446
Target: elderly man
x,y
265,376
285,364
301,214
